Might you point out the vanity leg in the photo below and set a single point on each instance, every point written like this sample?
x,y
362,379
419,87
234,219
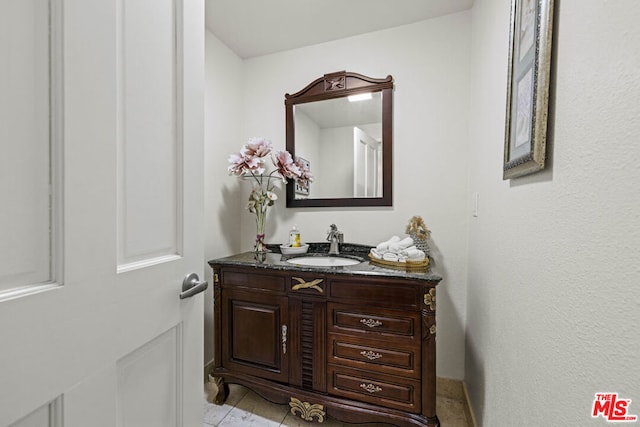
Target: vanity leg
x,y
433,421
217,390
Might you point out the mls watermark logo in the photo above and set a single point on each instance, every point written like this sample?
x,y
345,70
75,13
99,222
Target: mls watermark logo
x,y
612,409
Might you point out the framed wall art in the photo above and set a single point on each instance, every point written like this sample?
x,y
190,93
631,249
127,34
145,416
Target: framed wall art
x,y
299,188
527,87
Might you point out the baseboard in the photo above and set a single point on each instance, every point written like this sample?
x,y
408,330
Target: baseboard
x,y
467,406
456,389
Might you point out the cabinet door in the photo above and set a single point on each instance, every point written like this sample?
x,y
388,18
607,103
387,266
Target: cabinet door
x,y
255,331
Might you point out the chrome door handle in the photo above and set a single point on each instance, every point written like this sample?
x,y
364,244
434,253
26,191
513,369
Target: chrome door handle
x,y
191,285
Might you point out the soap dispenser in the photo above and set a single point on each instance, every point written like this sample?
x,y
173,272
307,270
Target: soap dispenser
x,y
294,237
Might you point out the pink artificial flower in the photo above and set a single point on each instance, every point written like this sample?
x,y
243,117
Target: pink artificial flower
x,y
236,163
285,165
256,147
239,164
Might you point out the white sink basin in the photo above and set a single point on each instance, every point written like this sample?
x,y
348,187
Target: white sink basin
x,y
323,261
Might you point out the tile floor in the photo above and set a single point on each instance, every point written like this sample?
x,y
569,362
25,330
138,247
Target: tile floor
x,y
244,408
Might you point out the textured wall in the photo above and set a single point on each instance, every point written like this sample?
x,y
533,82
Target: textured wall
x,y
223,75
553,289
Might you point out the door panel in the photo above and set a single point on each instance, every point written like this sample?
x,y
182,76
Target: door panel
x,y
25,163
367,164
148,380
256,328
48,415
109,334
149,144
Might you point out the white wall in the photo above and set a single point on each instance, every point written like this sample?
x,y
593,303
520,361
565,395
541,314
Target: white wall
x,y
223,74
336,164
554,292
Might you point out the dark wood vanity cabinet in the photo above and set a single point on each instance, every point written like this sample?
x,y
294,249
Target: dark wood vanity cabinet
x,y
357,348
251,330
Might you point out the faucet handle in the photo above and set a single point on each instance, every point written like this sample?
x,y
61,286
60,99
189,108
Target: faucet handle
x,y
335,238
333,234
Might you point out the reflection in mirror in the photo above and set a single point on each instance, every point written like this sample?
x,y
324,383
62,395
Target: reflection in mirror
x,y
340,125
341,139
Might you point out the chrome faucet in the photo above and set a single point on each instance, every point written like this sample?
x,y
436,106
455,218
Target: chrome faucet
x,y
335,237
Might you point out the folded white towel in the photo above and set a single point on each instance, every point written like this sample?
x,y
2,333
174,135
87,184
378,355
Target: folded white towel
x,y
375,253
389,256
402,244
398,250
415,255
384,246
409,249
406,242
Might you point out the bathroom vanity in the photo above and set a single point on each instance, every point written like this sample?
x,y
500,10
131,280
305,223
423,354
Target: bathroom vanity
x,y
356,342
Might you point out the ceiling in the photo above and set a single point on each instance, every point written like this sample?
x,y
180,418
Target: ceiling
x,y
259,27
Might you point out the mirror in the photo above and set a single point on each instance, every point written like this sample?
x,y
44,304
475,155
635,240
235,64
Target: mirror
x,y
341,126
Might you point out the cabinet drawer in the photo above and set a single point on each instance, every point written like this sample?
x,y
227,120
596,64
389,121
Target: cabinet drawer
x,y
374,355
251,280
383,293
385,390
350,319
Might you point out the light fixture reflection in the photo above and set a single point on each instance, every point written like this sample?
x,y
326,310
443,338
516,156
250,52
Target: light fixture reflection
x,y
359,97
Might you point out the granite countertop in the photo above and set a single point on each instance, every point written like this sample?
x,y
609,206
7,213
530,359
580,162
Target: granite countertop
x,y
277,261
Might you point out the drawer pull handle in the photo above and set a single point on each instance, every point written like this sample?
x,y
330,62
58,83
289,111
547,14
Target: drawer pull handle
x,y
370,388
284,339
371,355
371,323
306,285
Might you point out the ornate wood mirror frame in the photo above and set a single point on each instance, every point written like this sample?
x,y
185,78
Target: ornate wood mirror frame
x,y
332,86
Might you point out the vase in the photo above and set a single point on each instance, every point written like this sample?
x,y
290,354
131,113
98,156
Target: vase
x,y
260,245
259,201
420,243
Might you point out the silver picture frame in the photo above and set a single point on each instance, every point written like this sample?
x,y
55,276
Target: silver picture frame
x,y
527,87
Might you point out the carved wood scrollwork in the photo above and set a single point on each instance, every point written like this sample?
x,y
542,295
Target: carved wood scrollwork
x,y
307,411
429,314
428,325
217,390
430,299
334,83
307,285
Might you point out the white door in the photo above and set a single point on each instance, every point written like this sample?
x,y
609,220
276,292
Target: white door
x,y
101,188
367,164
